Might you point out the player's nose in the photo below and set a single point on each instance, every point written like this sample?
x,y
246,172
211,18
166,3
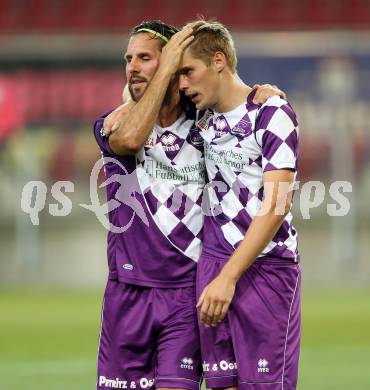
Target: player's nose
x,y
133,66
183,84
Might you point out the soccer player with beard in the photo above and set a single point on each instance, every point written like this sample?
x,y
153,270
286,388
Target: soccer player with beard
x,y
248,280
155,169
149,327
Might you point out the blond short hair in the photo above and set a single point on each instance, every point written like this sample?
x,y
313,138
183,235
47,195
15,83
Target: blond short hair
x,y
209,38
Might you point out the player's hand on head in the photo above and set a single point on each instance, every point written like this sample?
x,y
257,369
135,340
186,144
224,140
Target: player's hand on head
x,y
265,91
214,302
116,118
172,51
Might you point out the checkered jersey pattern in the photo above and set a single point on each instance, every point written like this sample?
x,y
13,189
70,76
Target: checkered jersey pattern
x,y
171,173
239,147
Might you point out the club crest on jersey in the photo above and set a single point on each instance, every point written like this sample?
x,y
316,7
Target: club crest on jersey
x,y
203,122
195,138
149,142
243,128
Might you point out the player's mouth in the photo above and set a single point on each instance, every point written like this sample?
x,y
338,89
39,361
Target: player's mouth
x,y
194,97
137,81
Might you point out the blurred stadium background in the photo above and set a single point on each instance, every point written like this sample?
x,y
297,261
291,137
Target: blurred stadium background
x,y
61,64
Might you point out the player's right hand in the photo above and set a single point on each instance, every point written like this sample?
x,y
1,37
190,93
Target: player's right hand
x,y
172,51
115,119
265,91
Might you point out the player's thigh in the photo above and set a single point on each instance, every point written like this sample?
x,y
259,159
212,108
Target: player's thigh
x,y
179,364
126,357
265,327
219,364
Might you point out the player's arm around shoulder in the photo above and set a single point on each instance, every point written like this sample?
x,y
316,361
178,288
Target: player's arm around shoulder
x,y
100,135
120,138
265,91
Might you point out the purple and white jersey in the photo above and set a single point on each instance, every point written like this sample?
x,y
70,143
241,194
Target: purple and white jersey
x,y
159,193
240,146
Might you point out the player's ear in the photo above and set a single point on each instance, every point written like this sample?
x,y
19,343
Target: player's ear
x,y
219,61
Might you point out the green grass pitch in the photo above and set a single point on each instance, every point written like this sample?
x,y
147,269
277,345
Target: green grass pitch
x,y
48,340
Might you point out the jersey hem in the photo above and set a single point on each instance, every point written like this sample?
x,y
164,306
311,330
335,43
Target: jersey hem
x,y
280,166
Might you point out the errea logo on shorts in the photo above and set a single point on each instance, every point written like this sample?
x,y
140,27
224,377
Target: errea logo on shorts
x,y
263,365
187,363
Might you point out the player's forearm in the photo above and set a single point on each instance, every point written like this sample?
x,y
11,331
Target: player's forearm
x,y
138,123
261,231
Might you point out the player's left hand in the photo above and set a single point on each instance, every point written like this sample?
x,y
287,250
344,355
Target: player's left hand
x,y
265,91
215,300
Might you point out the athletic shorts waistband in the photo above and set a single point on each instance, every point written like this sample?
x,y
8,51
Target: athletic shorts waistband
x,y
259,261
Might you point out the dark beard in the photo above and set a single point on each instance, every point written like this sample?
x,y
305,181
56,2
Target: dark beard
x,y
166,99
132,94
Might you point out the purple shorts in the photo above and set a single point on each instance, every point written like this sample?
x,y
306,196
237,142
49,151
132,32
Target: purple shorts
x,y
257,346
149,338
